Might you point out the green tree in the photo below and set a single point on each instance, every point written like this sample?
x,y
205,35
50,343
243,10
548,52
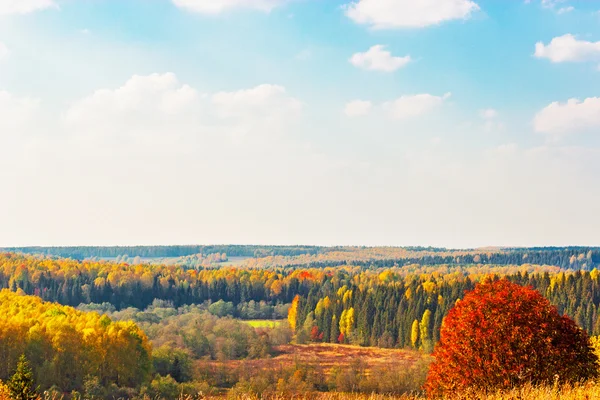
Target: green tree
x,y
21,384
335,330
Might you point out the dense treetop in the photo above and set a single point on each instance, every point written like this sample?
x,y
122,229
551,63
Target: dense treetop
x,y
65,345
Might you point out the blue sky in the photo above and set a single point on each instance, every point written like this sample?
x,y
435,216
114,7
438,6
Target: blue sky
x,y
454,123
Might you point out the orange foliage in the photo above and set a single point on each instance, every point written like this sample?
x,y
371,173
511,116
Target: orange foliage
x,y
503,335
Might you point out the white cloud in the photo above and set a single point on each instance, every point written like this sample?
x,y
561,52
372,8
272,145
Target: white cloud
x,y
567,48
8,7
551,3
141,101
379,59
488,113
564,10
158,108
219,6
555,5
263,101
559,119
275,188
143,148
15,113
358,108
260,111
490,117
414,105
386,14
3,51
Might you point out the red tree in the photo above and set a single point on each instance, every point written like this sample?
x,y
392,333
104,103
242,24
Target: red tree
x,y
502,335
315,335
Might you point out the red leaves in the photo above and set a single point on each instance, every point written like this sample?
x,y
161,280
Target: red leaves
x,y
501,335
315,335
305,275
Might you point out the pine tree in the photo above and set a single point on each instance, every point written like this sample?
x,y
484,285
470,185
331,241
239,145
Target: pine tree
x,y
21,383
176,370
335,330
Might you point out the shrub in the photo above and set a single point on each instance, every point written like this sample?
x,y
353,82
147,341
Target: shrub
x,y
502,335
93,388
174,362
164,387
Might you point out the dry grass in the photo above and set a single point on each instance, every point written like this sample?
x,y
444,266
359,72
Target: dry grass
x,y
589,391
327,356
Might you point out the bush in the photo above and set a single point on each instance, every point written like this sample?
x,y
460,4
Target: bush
x,y
197,388
164,387
502,335
221,308
280,334
174,362
93,388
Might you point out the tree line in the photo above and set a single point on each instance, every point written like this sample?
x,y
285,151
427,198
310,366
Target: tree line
x,y
408,312
389,307
319,257
84,252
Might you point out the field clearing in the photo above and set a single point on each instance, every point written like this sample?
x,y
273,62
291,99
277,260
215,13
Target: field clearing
x,y
327,356
233,261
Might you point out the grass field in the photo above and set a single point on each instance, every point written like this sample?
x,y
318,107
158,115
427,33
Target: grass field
x,y
263,323
587,391
328,356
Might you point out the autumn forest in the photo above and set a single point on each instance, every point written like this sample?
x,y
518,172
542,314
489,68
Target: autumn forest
x,y
164,322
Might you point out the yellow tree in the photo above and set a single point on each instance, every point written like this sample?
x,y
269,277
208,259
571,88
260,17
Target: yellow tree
x,y
293,313
425,331
414,334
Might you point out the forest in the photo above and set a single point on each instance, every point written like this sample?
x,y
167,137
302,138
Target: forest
x,y
319,256
188,328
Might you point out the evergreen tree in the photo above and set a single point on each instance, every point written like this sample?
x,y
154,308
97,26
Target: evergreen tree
x,y
335,330
21,383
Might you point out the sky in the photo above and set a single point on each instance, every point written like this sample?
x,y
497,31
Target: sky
x,y
451,123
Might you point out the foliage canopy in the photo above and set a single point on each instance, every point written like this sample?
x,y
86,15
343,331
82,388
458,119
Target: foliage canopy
x,y
503,335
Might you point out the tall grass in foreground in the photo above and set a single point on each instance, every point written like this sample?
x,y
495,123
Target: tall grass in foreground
x,y
587,391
